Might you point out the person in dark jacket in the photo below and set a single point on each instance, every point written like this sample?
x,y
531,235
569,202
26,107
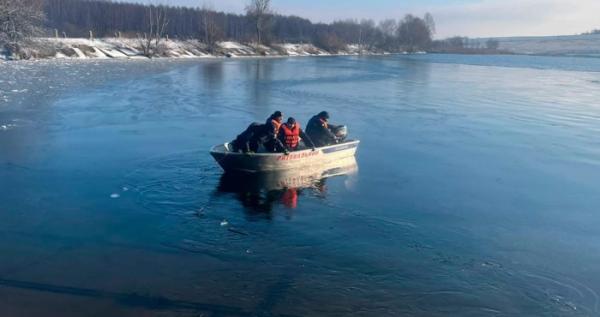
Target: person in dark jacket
x,y
270,141
274,121
319,131
248,141
290,135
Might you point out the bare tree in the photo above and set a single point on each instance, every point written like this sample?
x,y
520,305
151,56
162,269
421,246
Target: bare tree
x,y
209,28
19,20
456,42
388,27
492,44
414,33
430,22
157,21
260,13
369,35
329,41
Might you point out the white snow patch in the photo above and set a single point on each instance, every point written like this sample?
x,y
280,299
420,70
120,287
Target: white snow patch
x,y
113,53
231,45
79,52
129,51
98,53
60,55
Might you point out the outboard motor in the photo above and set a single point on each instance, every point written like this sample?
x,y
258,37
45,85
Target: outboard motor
x,y
341,132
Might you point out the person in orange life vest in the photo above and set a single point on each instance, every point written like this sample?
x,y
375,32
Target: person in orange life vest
x,y
271,143
274,121
290,135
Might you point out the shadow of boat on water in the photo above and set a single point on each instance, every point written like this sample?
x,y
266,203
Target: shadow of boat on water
x,y
260,192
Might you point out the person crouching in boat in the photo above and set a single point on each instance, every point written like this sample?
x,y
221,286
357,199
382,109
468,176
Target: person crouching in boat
x,y
254,136
248,141
319,130
290,135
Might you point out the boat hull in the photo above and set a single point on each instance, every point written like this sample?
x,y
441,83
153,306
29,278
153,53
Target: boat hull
x,y
265,162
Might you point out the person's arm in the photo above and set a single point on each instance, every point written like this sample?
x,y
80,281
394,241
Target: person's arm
x,y
328,132
333,126
281,146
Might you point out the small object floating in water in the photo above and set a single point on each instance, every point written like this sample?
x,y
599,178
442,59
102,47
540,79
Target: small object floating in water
x,y
125,189
224,223
232,161
115,195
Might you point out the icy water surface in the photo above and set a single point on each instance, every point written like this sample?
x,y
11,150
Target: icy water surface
x,y
477,191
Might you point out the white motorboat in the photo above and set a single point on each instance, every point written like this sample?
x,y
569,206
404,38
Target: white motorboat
x,y
232,161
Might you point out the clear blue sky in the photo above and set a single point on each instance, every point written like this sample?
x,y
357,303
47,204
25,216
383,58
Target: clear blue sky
x,y
474,18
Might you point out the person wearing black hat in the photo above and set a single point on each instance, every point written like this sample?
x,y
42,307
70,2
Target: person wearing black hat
x,y
319,131
290,135
271,143
274,121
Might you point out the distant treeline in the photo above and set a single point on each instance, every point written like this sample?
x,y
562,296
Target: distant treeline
x,y
592,32
465,45
75,18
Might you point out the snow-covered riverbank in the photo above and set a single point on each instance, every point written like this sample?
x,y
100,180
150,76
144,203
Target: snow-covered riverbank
x,y
79,48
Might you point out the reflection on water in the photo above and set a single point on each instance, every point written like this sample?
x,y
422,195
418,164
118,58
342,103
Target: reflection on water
x,y
259,192
259,89
212,76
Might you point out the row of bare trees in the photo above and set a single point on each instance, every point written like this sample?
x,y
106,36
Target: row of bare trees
x,y
465,45
592,32
152,24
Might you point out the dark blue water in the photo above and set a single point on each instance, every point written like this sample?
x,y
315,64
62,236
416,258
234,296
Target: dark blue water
x,y
477,191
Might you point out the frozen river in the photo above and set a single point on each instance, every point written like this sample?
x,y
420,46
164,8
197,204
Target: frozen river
x,y
477,191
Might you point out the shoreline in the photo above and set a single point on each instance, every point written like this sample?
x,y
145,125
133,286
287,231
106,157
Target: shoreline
x,y
128,49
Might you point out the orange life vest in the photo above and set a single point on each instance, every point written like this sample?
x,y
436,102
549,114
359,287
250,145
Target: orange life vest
x,y
292,136
276,126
